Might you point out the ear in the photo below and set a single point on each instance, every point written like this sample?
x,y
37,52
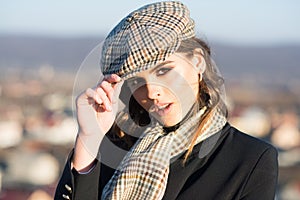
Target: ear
x,y
199,61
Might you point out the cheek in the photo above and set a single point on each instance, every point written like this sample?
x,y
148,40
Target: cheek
x,y
140,96
184,85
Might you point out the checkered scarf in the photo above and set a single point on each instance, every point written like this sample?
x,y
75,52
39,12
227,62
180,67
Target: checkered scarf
x,y
143,173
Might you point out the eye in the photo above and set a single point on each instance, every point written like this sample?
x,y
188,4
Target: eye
x,y
163,71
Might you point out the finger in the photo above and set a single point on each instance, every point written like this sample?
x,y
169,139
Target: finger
x,y
90,93
112,78
117,89
108,89
99,96
116,92
104,98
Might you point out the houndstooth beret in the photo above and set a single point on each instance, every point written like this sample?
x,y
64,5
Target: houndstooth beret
x,y
146,37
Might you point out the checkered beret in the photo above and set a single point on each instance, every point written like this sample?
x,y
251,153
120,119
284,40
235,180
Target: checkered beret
x,y
146,37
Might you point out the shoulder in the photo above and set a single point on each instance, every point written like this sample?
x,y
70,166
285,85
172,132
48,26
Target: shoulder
x,y
245,145
240,138
248,155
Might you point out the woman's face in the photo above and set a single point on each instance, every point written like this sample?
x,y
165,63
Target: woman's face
x,y
169,90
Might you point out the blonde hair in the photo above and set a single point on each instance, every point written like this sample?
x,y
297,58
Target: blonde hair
x,y
210,87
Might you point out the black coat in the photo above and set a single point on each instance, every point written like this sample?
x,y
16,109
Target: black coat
x,y
228,165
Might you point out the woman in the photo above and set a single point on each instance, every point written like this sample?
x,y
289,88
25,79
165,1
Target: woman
x,y
169,138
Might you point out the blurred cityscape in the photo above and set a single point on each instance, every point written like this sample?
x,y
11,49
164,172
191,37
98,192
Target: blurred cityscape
x,y
37,126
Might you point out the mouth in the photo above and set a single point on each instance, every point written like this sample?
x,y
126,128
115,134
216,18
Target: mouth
x,y
161,109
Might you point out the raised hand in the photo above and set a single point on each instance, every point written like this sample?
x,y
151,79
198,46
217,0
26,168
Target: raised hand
x,y
96,112
97,107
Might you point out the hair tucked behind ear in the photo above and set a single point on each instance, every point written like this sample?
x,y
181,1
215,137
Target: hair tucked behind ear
x,y
210,87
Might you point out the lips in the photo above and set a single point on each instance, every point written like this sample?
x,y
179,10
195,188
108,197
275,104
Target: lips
x,y
162,106
161,109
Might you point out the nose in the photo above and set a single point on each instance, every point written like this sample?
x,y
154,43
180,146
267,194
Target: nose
x,y
154,91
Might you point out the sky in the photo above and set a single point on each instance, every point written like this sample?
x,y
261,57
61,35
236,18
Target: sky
x,y
228,21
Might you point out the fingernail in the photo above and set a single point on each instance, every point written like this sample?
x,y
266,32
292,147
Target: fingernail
x,y
117,77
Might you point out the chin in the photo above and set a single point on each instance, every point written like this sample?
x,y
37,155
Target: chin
x,y
169,122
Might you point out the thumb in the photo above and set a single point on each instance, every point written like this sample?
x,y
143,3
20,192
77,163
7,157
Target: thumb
x,y
117,91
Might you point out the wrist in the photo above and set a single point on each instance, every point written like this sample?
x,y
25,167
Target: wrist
x,y
82,169
85,151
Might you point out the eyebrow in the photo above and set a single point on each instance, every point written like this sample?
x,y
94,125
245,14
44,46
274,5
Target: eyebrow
x,y
160,65
155,68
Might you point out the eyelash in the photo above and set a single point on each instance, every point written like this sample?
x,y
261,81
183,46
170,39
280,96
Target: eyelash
x,y
162,71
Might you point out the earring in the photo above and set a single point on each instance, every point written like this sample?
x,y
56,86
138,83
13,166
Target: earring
x,y
200,77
